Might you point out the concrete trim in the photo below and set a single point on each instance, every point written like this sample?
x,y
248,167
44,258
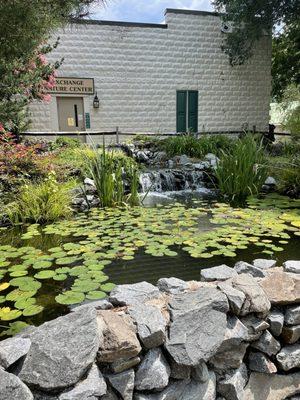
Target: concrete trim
x,y
119,23
192,12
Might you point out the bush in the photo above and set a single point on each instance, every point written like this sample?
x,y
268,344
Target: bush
x,y
197,148
40,203
242,171
65,142
286,171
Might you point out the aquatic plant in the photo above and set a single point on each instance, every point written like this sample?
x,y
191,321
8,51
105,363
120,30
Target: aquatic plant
x,y
242,171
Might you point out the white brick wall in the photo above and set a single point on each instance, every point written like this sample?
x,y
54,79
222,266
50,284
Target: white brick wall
x,y
137,71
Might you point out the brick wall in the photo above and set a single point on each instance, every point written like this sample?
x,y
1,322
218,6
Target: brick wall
x,y
137,70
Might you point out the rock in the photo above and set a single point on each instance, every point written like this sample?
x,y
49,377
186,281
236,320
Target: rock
x,y
141,156
200,373
289,357
119,337
153,372
110,395
97,305
90,388
281,287
219,273
173,392
123,383
37,395
183,160
212,158
61,351
235,297
267,344
291,334
179,371
89,181
160,156
170,164
200,391
270,181
276,319
229,359
12,388
232,386
126,295
151,325
264,263
271,386
256,299
259,362
242,267
255,326
292,315
198,325
292,266
12,349
172,285
124,364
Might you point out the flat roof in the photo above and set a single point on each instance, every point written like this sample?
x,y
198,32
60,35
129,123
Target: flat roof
x,y
191,12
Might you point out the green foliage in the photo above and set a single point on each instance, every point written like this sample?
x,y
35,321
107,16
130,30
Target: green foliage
x,y
65,142
193,147
242,171
291,105
44,202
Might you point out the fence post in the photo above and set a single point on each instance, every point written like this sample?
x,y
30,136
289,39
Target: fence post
x,y
117,135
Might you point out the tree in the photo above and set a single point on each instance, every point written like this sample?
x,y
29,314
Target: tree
x,y
25,27
251,19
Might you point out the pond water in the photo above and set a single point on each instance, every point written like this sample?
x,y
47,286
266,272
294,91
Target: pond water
x,y
44,271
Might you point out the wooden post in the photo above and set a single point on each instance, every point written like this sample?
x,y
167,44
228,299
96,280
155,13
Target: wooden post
x,y
117,135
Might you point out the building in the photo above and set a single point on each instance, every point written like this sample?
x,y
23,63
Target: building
x,y
158,78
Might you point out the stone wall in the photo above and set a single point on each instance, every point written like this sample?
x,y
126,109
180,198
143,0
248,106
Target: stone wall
x,y
234,335
138,68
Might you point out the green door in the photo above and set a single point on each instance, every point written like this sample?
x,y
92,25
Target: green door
x,y
192,111
181,110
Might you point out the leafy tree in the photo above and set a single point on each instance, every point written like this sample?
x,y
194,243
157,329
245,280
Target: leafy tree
x,y
25,74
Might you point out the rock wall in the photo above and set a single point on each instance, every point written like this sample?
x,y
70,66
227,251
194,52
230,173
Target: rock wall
x,y
233,335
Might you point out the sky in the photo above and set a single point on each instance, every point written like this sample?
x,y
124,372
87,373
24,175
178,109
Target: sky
x,y
144,10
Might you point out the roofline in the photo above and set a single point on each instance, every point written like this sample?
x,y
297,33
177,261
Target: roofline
x,y
118,23
192,12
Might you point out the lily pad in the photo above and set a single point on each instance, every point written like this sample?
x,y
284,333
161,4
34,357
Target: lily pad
x,y
7,314
47,274
70,297
96,295
32,310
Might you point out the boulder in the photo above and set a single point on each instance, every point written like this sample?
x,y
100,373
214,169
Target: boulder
x,y
172,285
256,299
97,305
276,319
267,344
123,364
292,315
119,337
270,181
291,334
89,181
200,373
183,160
153,373
90,388
230,358
173,392
12,349
151,325
271,386
126,295
259,362
281,287
264,263
289,357
200,391
61,351
219,273
235,297
213,159
123,383
292,266
232,386
12,388
255,326
198,325
179,371
242,267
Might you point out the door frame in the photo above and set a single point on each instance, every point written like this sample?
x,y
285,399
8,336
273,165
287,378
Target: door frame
x,y
58,113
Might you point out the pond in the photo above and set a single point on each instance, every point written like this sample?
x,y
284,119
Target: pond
x,y
45,270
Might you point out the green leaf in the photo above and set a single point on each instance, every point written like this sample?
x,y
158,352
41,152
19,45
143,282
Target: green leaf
x,y
32,310
14,328
45,274
96,295
70,297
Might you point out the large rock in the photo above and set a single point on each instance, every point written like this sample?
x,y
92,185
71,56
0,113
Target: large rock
x,y
256,299
12,349
153,373
151,325
90,388
173,392
235,297
219,273
61,351
126,295
172,285
242,267
200,391
179,371
119,337
271,387
292,266
291,334
12,388
289,357
97,305
267,344
292,315
232,386
123,383
123,364
255,326
282,287
276,320
198,325
264,263
259,362
200,373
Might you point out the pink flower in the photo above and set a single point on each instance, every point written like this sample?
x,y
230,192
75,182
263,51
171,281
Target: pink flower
x,y
46,98
1,127
43,59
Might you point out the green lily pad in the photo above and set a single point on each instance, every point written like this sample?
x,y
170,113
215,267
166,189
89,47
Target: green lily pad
x,y
108,287
47,274
60,277
24,303
42,264
70,297
32,310
7,314
14,328
96,295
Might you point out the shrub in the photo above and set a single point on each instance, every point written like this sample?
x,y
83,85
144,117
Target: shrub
x,y
242,171
40,203
65,142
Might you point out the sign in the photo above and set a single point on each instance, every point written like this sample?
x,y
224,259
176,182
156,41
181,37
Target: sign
x,y
76,86
87,121
71,122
